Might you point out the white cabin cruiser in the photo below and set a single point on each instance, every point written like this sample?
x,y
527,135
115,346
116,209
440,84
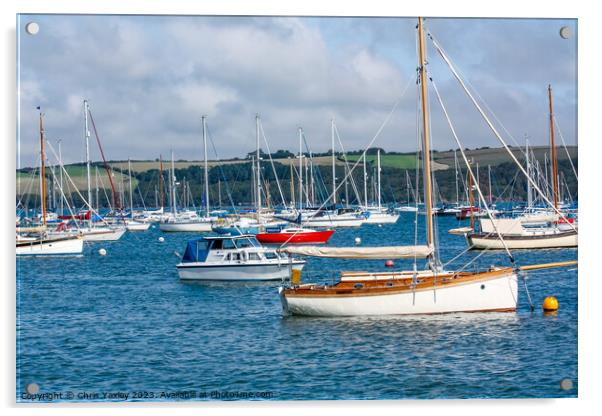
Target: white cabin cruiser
x,y
234,258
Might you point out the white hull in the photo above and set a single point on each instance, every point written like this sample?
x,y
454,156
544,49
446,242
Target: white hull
x,y
185,227
406,209
49,247
492,242
246,272
382,218
500,293
103,234
138,226
334,223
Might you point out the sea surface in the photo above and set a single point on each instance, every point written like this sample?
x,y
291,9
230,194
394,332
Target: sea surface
x,y
124,328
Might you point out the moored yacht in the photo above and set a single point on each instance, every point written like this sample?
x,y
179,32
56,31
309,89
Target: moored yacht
x,y
234,258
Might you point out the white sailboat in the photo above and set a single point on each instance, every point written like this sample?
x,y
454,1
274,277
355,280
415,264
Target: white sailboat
x,y
41,243
186,222
541,230
89,230
378,214
434,290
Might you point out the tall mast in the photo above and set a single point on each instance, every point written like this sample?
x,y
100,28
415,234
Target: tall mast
x,y
346,170
489,179
219,192
408,187
42,171
470,199
307,181
87,138
96,189
378,177
311,179
334,178
365,184
173,186
553,145
258,175
426,153
456,168
130,183
292,184
478,182
206,166
300,168
529,193
161,183
61,178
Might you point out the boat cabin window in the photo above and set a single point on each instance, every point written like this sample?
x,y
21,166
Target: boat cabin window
x,y
254,256
233,257
228,244
270,255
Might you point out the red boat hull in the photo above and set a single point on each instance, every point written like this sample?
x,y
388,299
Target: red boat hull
x,y
318,237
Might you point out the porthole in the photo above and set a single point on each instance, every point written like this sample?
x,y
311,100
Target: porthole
x,y
389,284
358,286
482,287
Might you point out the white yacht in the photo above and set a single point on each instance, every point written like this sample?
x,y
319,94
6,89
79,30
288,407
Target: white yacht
x,y
234,258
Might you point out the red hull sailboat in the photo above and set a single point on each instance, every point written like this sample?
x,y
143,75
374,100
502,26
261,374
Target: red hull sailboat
x,y
295,236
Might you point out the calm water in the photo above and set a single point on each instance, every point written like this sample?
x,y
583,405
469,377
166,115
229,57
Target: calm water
x,y
125,325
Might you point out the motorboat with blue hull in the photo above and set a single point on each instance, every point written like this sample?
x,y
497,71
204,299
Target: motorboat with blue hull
x,y
234,258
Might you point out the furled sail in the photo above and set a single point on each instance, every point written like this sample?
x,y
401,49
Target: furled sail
x,y
389,252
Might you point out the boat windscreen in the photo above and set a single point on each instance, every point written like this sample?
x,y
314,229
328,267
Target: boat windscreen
x,y
247,242
196,251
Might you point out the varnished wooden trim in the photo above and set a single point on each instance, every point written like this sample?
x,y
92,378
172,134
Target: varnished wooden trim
x,y
403,285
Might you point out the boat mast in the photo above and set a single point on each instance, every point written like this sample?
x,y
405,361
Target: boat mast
x,y
61,177
489,179
173,186
258,175
300,168
130,183
311,179
378,177
529,193
162,192
426,154
96,189
334,179
346,170
203,119
292,184
553,145
457,188
42,171
470,199
87,138
365,184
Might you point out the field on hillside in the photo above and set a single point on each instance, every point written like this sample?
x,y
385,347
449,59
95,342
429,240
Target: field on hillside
x,y
28,182
497,156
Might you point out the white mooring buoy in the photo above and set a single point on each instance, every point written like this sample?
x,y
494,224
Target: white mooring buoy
x,y
102,252
358,240
161,239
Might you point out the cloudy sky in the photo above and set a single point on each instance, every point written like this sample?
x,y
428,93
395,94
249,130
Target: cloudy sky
x,y
150,78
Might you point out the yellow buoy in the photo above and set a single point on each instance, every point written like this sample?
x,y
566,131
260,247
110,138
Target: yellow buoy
x,y
296,277
550,304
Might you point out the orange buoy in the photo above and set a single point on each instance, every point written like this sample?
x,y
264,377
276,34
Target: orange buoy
x,y
550,304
